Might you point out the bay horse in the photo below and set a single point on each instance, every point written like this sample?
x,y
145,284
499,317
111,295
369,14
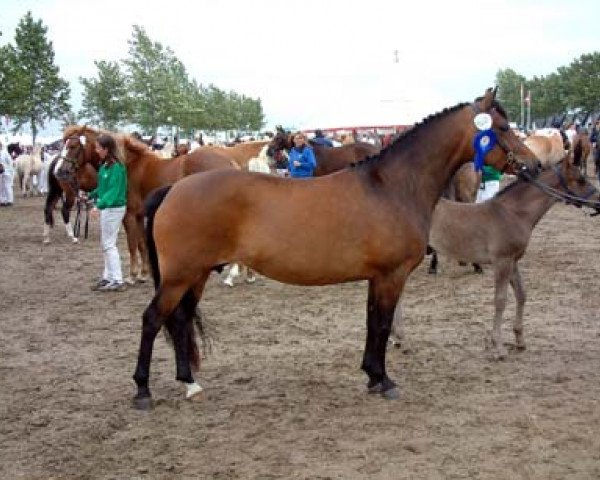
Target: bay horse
x,y
66,177
146,171
498,231
374,225
329,159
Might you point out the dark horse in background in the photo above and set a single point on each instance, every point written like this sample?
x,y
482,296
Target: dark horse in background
x,y
329,159
66,177
374,225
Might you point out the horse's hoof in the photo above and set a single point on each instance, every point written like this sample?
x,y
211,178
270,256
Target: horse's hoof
x,y
196,397
228,282
142,403
129,281
142,279
391,394
75,240
432,271
251,280
46,241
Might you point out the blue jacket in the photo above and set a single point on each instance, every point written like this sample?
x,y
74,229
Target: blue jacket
x,y
307,160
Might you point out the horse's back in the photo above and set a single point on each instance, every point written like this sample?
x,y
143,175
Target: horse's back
x,y
205,159
547,148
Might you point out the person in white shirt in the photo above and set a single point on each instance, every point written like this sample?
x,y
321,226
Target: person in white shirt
x,y
6,178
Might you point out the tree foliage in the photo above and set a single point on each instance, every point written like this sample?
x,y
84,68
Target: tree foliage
x,y
33,91
106,100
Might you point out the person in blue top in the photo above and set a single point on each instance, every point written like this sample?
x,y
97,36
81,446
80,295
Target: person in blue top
x,y
321,139
301,160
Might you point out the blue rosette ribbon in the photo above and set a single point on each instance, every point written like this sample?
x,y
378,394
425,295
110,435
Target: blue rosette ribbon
x,y
483,142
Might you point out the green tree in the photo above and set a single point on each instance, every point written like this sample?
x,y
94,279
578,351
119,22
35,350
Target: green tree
x,y
581,80
34,90
509,92
106,100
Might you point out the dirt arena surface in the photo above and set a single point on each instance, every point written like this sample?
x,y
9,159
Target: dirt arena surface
x,y
284,395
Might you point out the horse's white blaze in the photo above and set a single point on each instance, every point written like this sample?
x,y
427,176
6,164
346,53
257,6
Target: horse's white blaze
x,y
192,389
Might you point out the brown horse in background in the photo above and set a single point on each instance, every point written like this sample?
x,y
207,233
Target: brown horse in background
x,y
498,231
329,159
581,146
146,171
373,226
66,177
547,144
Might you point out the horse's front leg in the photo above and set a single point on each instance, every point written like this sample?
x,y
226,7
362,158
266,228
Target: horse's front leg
x,y
383,297
65,211
133,234
503,272
516,282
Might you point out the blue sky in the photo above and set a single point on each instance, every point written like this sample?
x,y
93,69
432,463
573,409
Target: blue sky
x,y
326,63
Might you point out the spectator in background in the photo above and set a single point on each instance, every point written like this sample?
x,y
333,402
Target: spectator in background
x,y
301,161
6,178
321,139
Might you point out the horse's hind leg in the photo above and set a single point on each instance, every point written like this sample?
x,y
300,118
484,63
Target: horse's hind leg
x,y
516,283
51,201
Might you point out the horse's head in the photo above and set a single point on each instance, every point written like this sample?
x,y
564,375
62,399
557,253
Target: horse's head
x,y
281,141
79,146
495,142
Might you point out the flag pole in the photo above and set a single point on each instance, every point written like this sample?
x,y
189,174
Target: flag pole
x,y
528,110
522,108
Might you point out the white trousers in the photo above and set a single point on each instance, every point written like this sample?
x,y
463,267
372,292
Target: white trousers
x,y
487,190
43,178
6,188
110,223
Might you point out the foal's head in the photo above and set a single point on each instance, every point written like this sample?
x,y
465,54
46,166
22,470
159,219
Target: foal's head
x,y
281,141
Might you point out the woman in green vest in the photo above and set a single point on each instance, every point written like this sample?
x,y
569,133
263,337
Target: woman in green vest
x,y
490,183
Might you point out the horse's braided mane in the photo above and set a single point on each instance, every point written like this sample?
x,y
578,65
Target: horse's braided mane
x,y
408,136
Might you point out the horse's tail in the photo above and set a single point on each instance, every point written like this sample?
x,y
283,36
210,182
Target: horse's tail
x,y
150,207
188,302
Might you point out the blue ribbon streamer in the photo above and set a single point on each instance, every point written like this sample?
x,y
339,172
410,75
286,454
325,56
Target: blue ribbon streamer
x,y
483,142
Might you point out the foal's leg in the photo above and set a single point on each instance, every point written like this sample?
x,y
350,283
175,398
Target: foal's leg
x,y
434,260
383,297
502,274
516,282
142,250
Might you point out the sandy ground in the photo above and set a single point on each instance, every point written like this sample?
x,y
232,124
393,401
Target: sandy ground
x,y
285,397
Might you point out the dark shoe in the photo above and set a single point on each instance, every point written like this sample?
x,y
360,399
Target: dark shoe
x,y
100,284
113,287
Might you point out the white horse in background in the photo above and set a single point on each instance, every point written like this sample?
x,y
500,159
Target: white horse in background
x,y
260,164
167,150
28,168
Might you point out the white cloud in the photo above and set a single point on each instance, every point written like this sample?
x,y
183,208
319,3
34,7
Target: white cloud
x,y
316,63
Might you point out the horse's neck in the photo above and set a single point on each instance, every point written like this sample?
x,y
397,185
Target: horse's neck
x,y
527,201
417,167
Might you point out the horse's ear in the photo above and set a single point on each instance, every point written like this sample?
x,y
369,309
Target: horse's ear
x,y
488,99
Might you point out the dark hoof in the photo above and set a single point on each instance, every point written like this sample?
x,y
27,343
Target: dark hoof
x,y
432,271
520,348
477,268
142,403
374,388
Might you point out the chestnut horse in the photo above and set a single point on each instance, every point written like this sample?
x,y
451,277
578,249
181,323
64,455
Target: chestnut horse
x,y
547,144
241,153
498,231
66,178
329,159
373,226
146,171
